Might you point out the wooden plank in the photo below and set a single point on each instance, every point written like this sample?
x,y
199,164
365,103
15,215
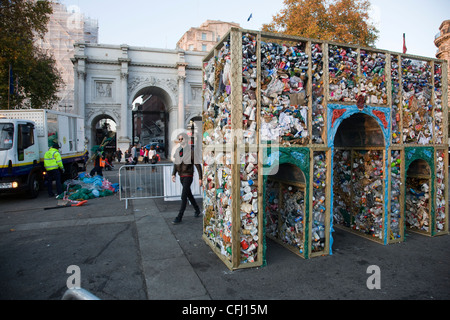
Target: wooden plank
x,y
293,249
236,122
389,205
446,156
328,197
309,91
384,215
260,153
400,104
358,233
217,252
326,91
309,214
433,104
402,193
388,77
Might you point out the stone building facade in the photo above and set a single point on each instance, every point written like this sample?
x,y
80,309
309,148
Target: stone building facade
x,y
205,37
109,78
442,41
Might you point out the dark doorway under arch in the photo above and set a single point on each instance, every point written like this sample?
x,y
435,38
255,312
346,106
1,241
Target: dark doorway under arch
x,y
285,207
104,133
150,122
358,176
418,197
359,130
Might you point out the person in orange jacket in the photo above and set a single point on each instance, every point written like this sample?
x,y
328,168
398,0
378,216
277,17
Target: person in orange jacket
x,y
99,163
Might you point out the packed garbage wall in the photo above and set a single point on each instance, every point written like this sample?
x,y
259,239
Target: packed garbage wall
x,y
302,135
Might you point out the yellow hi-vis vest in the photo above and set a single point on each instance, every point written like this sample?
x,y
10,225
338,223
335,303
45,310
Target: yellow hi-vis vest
x,y
52,160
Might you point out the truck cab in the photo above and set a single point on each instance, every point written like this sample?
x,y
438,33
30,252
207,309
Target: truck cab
x,y
25,137
20,166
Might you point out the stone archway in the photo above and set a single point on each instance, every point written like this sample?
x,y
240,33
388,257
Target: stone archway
x,y
93,116
100,129
150,118
162,113
108,78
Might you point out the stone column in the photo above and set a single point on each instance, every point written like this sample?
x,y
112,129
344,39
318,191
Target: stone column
x,y
81,79
124,133
181,111
81,93
181,66
172,130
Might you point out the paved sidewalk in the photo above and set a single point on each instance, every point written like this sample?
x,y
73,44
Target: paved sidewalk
x,y
178,264
168,272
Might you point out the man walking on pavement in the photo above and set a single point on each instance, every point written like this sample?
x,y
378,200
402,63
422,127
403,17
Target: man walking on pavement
x,y
184,166
53,163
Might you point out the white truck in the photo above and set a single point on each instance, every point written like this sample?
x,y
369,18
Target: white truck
x,y
26,135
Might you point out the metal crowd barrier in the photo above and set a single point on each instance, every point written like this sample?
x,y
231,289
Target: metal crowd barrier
x,y
151,181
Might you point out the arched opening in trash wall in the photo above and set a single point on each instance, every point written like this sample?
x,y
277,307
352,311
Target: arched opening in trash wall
x,y
285,207
418,197
358,176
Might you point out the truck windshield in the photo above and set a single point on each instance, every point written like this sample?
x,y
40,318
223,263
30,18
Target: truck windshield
x,y
6,136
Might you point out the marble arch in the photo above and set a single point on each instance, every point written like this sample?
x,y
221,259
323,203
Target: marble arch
x,y
92,117
168,95
108,78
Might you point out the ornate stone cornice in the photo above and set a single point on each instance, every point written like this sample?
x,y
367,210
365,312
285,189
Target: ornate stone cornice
x,y
113,111
438,41
138,64
152,81
153,65
100,61
80,57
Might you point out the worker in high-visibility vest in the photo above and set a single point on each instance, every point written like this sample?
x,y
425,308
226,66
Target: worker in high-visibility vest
x,y
99,163
53,163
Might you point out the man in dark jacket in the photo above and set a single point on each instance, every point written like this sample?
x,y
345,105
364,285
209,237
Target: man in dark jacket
x,y
184,166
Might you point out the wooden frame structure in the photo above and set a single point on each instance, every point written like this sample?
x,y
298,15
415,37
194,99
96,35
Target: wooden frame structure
x,y
271,100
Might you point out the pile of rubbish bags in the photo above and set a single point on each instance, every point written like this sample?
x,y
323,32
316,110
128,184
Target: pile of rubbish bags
x,y
86,187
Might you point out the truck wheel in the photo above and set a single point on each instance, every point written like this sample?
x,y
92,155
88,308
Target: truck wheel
x,y
33,186
73,173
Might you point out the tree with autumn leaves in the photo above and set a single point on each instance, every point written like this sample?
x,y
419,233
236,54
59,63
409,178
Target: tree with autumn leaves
x,y
344,21
28,75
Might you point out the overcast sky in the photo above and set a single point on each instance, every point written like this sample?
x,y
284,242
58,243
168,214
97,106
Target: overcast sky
x,y
160,24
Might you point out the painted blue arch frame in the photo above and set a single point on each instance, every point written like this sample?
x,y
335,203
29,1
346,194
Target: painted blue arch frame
x,y
385,128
